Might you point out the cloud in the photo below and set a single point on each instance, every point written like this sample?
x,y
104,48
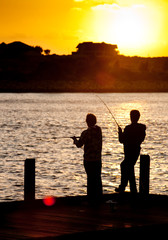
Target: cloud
x,y
114,7
119,2
106,7
94,2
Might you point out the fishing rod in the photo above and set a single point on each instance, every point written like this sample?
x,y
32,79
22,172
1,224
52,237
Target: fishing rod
x,y
108,110
63,137
56,138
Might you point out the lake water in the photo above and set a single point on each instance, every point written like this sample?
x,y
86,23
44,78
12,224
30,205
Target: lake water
x,y
37,126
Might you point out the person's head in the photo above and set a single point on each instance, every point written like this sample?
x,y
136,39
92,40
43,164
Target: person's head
x,y
91,119
134,115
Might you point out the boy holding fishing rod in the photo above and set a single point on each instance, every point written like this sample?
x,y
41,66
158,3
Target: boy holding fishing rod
x,y
132,137
91,139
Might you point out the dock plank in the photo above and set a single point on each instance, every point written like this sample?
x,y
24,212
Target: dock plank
x,y
69,218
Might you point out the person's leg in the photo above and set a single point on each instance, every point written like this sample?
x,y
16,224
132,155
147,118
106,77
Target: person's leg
x,y
132,180
91,181
98,181
133,159
124,177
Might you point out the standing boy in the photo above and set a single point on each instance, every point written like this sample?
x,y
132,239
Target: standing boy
x,y
132,137
91,138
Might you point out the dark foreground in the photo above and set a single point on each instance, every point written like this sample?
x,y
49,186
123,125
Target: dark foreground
x,y
73,218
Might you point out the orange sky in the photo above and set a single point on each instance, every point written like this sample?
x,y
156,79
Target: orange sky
x,y
138,27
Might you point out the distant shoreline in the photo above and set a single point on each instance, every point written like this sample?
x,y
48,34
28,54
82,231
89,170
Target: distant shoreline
x,y
54,92
95,67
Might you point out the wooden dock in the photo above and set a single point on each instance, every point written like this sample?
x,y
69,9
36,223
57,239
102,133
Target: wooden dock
x,y
73,218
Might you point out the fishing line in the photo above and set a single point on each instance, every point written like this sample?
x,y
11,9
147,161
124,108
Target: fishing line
x,y
113,119
108,110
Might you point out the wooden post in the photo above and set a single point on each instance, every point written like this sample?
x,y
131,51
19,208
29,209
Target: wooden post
x,y
144,174
29,180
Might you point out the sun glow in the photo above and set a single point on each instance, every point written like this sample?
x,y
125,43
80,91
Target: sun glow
x,y
131,28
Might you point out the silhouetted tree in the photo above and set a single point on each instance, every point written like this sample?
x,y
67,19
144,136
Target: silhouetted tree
x,y
47,51
39,49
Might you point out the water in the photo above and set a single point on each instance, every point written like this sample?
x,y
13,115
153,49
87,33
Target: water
x,y
31,123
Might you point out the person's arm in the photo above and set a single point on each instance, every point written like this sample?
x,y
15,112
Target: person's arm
x,y
120,135
143,134
79,143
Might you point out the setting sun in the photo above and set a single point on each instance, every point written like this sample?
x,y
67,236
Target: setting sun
x,y
129,27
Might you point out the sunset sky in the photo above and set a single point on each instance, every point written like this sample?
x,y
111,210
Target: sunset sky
x,y
138,27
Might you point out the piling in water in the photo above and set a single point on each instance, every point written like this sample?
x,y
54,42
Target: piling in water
x,y
144,174
29,180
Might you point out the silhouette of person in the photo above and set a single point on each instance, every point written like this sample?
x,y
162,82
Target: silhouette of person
x,y
91,139
132,137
